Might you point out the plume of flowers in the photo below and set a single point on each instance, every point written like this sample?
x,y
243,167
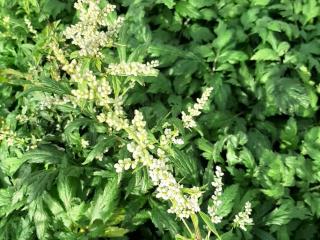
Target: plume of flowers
x,y
195,110
243,219
86,33
216,202
167,188
133,69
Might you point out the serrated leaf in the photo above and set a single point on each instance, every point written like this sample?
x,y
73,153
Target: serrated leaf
x,y
224,36
209,224
162,219
10,165
285,213
288,135
186,166
228,200
283,48
169,3
202,3
115,232
99,149
40,219
65,190
45,154
185,9
105,201
207,147
265,54
260,2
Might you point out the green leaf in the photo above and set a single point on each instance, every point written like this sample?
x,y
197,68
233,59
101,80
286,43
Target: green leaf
x,y
206,147
199,33
285,213
313,200
185,9
105,201
202,3
286,94
65,190
99,149
11,164
186,166
310,10
53,205
260,2
53,7
265,54
224,36
288,135
115,232
283,48
41,219
209,224
162,219
169,3
139,183
228,198
45,154
5,201
232,56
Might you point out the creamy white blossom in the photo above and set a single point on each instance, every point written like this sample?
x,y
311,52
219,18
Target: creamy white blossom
x,y
87,34
84,143
195,110
133,69
216,202
243,218
29,26
124,164
167,188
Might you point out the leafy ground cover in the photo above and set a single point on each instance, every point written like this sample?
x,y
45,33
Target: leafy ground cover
x,y
101,134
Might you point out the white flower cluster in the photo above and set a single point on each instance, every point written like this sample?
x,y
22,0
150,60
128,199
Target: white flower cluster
x,y
87,84
170,136
91,88
29,26
216,202
86,34
22,118
70,67
133,69
243,219
114,121
84,143
47,102
115,115
11,138
125,164
195,110
8,136
58,53
183,205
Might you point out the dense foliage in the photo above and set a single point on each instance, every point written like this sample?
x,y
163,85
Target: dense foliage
x,y
59,177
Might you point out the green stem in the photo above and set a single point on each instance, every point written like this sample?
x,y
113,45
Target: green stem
x,y
195,221
314,188
189,230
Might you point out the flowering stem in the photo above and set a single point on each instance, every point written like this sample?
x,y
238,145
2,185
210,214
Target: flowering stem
x,y
195,222
189,230
208,235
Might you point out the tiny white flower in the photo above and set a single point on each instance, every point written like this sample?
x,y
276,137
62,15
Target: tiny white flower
x,y
84,143
243,219
195,110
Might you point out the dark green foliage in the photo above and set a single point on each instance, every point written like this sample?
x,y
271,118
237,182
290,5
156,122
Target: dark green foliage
x,y
262,127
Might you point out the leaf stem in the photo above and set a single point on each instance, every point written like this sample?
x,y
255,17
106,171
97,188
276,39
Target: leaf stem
x,y
189,230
